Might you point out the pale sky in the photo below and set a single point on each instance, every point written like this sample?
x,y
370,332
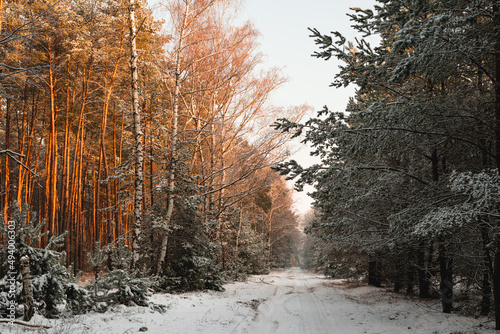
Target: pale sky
x,y
286,43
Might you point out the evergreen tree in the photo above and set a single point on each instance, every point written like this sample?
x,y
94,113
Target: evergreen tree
x,y
425,107
47,265
191,264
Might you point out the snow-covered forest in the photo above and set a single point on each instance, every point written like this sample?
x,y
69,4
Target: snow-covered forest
x,y
408,190
135,147
144,153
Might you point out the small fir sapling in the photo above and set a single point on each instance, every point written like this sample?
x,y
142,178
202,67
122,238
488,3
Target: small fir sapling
x,y
117,286
96,260
120,257
48,273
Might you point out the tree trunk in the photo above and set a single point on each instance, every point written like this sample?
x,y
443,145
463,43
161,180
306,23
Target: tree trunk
x,y
139,154
103,162
77,189
423,283
496,274
487,270
410,274
22,142
65,226
51,155
29,309
173,140
238,233
6,179
1,15
373,271
446,284
398,271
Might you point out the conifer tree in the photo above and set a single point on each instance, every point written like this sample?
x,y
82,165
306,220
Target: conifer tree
x,y
425,107
47,268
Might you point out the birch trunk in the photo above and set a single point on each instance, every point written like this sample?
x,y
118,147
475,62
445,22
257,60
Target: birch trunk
x,y
139,154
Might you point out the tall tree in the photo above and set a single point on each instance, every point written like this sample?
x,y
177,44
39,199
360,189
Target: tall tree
x,y
139,152
385,187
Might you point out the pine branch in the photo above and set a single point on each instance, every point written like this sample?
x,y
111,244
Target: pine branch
x,y
12,154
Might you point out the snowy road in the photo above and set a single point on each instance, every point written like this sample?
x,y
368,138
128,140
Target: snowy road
x,y
297,304
291,302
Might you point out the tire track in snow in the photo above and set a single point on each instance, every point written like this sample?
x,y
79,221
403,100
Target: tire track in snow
x,y
293,307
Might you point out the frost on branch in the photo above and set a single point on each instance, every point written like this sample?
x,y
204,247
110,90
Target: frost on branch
x,y
479,198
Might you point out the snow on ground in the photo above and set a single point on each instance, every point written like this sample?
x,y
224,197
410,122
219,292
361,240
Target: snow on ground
x,y
291,302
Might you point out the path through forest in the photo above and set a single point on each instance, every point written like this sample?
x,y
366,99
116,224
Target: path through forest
x,y
295,301
288,302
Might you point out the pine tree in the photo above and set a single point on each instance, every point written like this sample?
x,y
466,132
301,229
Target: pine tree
x,y
48,272
424,108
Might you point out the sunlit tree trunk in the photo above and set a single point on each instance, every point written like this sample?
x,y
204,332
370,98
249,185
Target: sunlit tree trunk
x,y
103,162
22,142
51,155
1,14
65,198
139,154
77,192
6,185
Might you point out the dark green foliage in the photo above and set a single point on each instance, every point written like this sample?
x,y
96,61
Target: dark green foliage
x,y
48,272
53,284
120,256
191,262
113,287
97,258
79,299
252,257
403,170
120,287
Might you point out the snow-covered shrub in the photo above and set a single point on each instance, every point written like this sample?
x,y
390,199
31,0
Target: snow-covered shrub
x,y
48,272
53,284
120,256
116,286
78,299
119,287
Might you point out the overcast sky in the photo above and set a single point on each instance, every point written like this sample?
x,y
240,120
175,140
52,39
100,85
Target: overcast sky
x,y
286,43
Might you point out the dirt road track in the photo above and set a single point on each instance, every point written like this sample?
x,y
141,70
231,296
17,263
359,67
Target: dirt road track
x,y
299,302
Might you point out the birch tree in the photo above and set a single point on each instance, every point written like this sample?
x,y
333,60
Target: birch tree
x,y
139,154
185,17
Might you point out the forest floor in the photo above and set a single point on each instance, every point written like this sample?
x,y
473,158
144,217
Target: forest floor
x,y
291,302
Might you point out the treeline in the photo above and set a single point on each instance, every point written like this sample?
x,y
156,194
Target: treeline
x,y
207,199
408,191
